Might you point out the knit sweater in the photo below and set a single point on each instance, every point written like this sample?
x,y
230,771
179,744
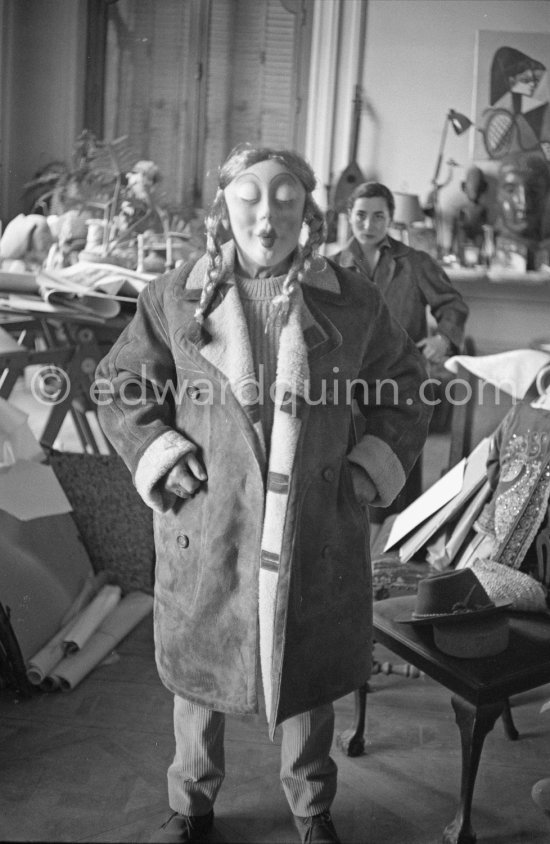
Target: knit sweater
x,y
256,295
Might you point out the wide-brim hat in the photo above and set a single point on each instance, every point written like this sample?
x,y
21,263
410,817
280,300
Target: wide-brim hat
x,y
477,638
453,598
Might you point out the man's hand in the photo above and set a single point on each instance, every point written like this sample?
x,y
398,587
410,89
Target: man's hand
x,y
184,479
365,490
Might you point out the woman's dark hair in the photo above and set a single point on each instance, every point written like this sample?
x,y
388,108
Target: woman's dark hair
x,y
369,190
241,158
507,63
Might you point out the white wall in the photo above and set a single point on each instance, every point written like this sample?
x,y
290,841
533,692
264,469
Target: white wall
x,y
419,62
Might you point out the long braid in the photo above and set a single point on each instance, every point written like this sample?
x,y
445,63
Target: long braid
x,y
315,221
214,270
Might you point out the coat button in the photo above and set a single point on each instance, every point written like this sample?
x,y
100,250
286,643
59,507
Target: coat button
x,y
183,540
193,391
328,474
326,552
330,396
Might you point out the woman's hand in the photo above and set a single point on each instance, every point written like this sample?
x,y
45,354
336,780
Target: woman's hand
x,y
435,349
185,478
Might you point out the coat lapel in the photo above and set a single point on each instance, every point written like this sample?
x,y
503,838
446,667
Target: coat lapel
x,y
229,350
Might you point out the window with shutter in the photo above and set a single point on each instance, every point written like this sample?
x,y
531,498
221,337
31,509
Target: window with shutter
x,y
149,82
257,76
188,79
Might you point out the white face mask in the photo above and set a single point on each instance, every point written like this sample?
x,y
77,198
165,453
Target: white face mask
x,y
265,204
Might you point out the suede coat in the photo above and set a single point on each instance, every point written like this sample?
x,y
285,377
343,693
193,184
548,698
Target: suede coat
x,y
265,564
410,280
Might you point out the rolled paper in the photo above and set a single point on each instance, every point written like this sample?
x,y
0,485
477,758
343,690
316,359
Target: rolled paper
x,y
92,585
40,665
50,684
127,614
90,619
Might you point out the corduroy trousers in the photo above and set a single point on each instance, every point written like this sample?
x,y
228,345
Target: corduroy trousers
x,y
308,773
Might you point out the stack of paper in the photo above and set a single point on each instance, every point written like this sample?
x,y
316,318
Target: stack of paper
x,y
443,504
89,288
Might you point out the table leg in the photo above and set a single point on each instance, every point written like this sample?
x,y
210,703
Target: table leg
x,y
508,721
474,723
352,741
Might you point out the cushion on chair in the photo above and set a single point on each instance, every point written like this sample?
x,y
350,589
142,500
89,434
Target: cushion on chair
x,y
115,525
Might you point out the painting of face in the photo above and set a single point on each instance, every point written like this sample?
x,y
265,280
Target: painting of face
x,y
265,205
525,82
369,220
511,94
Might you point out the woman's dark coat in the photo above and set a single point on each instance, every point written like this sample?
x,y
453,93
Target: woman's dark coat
x,y
410,280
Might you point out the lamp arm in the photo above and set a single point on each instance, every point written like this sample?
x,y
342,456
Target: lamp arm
x,y
441,150
449,175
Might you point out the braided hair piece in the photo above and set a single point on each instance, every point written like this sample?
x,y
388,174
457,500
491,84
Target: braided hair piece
x,y
314,220
241,158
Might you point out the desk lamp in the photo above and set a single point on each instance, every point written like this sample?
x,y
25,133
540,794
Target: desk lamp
x,y
407,211
460,124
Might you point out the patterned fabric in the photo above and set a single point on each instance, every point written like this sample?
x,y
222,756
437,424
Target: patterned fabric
x,y
518,468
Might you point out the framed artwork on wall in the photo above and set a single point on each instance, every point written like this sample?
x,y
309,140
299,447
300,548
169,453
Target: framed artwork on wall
x,y
511,94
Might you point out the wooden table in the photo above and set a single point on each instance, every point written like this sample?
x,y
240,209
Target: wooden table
x,y
480,687
67,349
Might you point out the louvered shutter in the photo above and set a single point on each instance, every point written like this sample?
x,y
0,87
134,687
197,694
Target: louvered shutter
x,y
186,91
277,95
251,82
149,83
219,84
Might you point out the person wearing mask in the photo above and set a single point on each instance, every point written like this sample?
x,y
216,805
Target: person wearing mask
x,y
229,399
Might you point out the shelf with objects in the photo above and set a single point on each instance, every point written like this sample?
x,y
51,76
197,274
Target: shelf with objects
x,y
504,274
97,231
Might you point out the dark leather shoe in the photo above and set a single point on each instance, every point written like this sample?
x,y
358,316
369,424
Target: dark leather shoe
x,y
317,829
183,828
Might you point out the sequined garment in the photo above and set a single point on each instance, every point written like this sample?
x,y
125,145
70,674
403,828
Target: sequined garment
x,y
519,471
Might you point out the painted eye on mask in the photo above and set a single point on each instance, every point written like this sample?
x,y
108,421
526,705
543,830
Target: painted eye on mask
x,y
286,192
247,191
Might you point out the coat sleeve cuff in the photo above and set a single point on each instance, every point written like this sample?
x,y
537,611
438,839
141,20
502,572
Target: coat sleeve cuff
x,y
382,466
157,459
